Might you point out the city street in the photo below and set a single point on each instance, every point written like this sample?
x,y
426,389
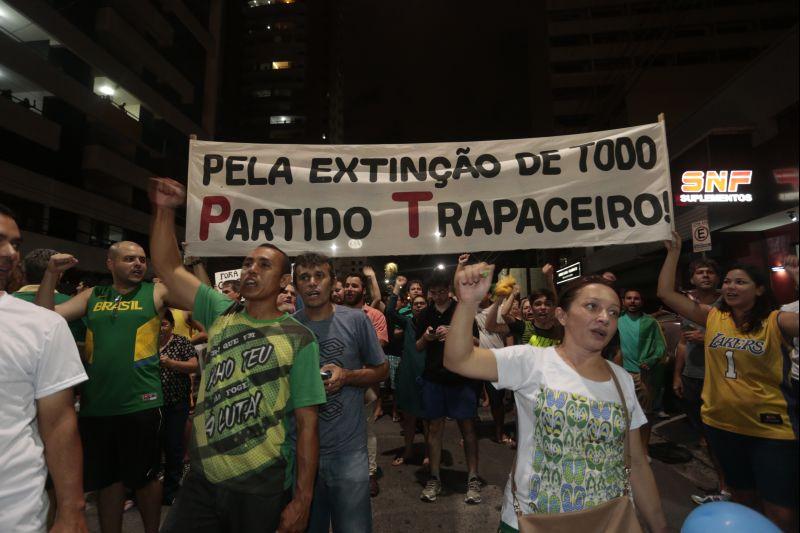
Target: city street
x,y
399,509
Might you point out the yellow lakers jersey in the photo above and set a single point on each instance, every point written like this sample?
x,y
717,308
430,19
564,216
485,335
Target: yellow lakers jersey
x,y
747,389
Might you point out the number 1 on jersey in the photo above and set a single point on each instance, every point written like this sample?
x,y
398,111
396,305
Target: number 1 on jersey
x,y
731,371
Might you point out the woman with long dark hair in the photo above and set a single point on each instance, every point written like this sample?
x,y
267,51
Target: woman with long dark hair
x,y
574,410
748,412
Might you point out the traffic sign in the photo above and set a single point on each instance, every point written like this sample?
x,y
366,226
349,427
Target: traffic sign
x,y
701,236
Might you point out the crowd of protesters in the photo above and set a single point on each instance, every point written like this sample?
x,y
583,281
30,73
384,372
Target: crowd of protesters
x,y
251,408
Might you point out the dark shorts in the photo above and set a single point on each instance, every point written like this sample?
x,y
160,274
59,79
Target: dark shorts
x,y
692,400
766,466
459,402
203,507
122,448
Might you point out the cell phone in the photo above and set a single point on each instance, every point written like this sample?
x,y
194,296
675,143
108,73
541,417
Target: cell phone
x,y
325,374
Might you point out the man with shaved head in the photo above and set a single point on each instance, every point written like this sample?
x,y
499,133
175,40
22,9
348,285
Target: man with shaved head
x,y
120,418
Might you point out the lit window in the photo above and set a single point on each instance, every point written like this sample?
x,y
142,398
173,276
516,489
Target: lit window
x,y
285,119
281,65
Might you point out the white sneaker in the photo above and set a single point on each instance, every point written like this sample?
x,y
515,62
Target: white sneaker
x,y
431,491
473,491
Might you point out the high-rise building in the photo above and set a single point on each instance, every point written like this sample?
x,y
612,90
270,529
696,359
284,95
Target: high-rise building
x,y
276,72
618,62
95,97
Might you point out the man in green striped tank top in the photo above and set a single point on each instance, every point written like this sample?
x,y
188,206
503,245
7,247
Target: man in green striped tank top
x,y
261,383
120,417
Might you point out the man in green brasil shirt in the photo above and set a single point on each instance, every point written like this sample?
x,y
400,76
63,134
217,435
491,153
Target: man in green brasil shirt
x,y
260,378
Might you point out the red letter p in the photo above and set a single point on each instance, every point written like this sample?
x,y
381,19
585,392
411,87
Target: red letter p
x,y
206,218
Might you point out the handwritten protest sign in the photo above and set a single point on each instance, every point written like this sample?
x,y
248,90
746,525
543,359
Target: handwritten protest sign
x,y
599,188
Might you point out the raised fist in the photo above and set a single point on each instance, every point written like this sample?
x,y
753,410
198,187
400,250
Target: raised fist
x,y
61,262
166,192
473,281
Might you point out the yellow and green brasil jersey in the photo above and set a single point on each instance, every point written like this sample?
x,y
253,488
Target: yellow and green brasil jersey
x,y
255,373
121,352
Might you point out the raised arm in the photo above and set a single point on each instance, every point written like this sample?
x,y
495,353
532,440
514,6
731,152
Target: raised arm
x,y
374,288
549,274
392,316
72,309
165,196
788,322
681,304
505,308
460,354
491,316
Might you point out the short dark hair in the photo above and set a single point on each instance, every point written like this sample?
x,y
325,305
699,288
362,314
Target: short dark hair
x,y
570,292
287,264
312,259
538,293
35,264
168,316
439,279
235,284
417,281
5,210
361,278
632,289
703,262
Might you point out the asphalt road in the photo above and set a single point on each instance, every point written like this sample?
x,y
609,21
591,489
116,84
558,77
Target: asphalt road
x,y
398,508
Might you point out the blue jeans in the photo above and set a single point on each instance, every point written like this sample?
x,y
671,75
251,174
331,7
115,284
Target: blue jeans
x,y
341,494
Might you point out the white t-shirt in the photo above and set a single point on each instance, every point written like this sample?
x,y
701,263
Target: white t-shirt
x,y
570,447
793,307
38,357
487,339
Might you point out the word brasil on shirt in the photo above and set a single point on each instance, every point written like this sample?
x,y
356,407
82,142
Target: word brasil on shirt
x,y
132,305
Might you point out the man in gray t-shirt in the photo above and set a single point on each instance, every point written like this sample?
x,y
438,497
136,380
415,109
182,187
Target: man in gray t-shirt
x,y
351,359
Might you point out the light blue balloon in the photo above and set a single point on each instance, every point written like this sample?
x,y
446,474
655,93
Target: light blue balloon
x,y
727,517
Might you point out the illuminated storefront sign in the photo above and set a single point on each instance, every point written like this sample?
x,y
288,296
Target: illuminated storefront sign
x,y
715,186
568,273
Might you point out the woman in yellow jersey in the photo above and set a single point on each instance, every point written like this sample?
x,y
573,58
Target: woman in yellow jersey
x,y
748,412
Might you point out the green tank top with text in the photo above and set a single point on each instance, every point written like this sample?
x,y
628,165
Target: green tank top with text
x,y
121,352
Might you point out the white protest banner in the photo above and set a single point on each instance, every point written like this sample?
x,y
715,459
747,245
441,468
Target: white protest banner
x,y
599,188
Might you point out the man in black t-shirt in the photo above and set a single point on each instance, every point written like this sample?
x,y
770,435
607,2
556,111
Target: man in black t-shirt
x,y
445,394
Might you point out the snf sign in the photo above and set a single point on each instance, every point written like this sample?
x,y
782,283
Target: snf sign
x,y
715,186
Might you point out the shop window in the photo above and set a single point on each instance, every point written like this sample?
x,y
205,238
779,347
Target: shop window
x,y
285,119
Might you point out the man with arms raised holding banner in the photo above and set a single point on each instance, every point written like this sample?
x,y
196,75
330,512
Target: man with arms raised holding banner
x,y
260,378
